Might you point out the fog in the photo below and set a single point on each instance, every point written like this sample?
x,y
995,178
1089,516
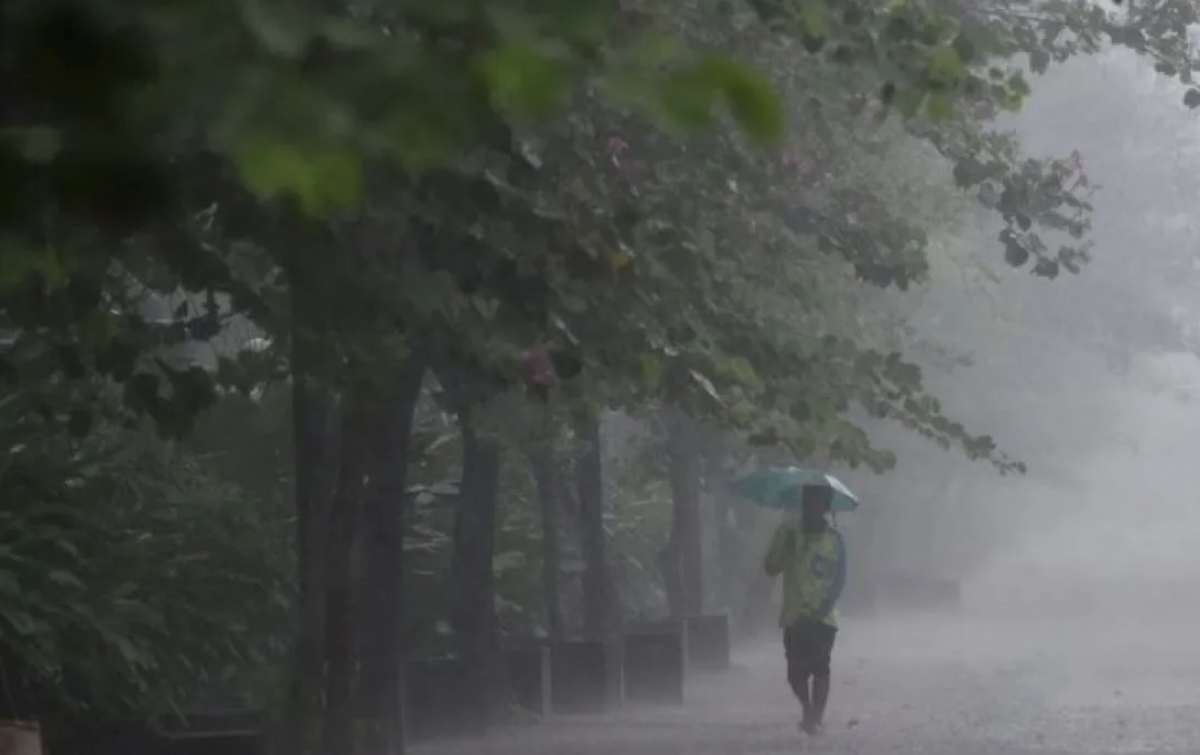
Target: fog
x,y
1089,379
1121,537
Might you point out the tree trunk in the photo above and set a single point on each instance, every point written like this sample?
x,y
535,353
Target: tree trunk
x,y
670,568
729,554
546,478
684,460
597,589
381,694
315,453
472,614
340,658
312,436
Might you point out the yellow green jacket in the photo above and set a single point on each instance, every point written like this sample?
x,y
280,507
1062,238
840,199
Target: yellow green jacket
x,y
814,572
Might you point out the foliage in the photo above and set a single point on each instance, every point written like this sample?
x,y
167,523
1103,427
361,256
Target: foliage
x,y
129,125
181,133
325,124
129,573
180,140
245,441
707,294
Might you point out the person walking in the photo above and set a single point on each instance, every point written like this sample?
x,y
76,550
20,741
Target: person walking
x,y
810,555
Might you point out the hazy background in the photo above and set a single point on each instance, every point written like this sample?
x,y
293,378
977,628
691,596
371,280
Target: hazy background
x,y
1090,379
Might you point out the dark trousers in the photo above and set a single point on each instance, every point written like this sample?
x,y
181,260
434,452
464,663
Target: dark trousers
x,y
808,646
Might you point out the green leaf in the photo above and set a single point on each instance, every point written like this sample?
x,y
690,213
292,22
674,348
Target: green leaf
x,y
523,80
322,181
908,101
938,107
814,26
1018,88
751,99
687,98
743,371
813,21
652,371
944,66
965,47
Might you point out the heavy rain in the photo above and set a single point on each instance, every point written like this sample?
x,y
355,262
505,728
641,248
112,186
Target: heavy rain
x,y
599,377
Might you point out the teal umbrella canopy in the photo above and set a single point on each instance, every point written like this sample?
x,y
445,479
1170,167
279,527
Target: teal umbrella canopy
x,y
770,488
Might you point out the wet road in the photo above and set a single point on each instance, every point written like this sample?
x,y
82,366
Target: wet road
x,y
937,686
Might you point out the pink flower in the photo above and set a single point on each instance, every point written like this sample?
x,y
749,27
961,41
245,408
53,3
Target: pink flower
x,y
537,367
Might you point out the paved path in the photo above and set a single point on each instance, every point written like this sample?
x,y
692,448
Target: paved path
x,y
933,686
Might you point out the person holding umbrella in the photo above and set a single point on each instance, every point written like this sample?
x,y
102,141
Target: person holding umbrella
x,y
808,551
811,557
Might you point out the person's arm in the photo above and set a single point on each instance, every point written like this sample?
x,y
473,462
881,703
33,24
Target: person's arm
x,y
836,582
783,545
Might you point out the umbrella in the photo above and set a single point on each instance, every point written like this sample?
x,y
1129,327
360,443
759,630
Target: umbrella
x,y
767,487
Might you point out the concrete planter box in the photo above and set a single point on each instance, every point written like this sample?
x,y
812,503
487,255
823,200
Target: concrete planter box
x,y
586,676
655,662
210,733
20,738
708,642
440,700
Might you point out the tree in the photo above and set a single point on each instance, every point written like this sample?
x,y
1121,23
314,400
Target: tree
x,y
382,660
545,468
472,610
